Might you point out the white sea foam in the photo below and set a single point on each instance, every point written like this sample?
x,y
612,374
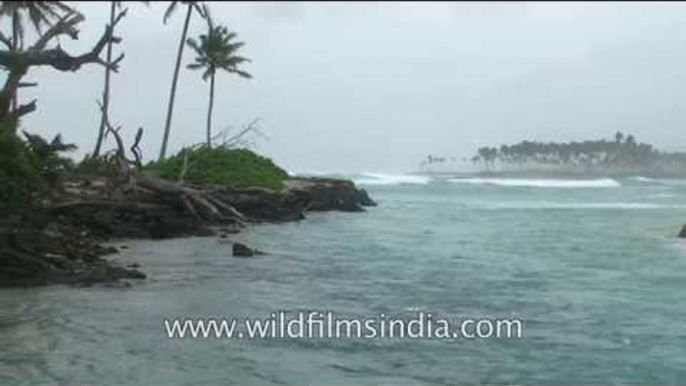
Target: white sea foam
x,y
391,179
643,179
582,205
540,183
661,181
663,195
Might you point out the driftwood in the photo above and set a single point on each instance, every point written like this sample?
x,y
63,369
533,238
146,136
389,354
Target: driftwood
x,y
200,203
120,205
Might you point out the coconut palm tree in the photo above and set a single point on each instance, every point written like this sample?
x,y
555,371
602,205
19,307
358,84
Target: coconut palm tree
x,y
114,5
191,6
216,50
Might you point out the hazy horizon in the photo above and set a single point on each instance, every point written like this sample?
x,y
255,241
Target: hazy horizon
x,y
378,86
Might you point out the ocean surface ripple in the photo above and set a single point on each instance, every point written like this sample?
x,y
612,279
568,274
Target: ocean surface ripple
x,y
592,266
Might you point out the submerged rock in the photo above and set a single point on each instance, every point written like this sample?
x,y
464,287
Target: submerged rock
x,y
682,234
242,250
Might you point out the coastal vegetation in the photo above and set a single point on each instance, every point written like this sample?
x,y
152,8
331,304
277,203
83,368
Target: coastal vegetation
x,y
33,164
620,155
222,166
54,211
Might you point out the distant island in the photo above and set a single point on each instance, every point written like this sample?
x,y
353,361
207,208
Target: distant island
x,y
619,156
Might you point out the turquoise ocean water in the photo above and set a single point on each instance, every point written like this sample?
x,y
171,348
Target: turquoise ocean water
x,y
592,267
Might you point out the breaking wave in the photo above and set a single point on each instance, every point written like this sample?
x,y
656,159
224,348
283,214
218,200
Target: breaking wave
x,y
581,205
391,179
540,183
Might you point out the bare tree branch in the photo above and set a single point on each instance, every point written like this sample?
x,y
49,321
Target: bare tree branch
x,y
239,139
66,25
27,84
6,41
136,150
56,57
23,110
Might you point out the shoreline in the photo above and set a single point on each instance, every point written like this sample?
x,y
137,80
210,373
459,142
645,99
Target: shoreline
x,y
66,242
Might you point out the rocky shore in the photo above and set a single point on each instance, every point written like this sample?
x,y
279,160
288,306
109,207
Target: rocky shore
x,y
61,242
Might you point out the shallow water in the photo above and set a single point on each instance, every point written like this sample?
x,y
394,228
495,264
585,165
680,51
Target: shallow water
x,y
593,269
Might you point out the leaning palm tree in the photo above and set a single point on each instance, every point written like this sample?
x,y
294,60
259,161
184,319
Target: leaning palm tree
x,y
216,50
114,5
192,6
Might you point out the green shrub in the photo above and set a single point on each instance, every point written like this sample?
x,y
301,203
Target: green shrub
x,y
29,169
20,180
46,157
230,167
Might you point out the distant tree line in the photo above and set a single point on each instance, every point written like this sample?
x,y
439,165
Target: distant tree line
x,y
623,151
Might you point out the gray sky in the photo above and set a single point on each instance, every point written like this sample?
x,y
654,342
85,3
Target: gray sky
x,y
378,86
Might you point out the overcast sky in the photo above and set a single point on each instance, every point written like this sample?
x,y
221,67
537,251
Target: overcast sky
x,y
378,86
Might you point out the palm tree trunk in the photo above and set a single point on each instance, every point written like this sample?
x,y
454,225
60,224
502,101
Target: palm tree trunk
x,y
15,47
209,113
170,108
106,92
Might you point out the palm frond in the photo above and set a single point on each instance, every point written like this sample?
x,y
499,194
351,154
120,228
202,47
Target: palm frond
x,y
170,11
199,7
242,74
217,49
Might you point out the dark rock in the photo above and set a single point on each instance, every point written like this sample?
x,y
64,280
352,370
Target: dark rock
x,y
326,194
242,250
682,234
109,251
299,195
54,254
108,220
364,199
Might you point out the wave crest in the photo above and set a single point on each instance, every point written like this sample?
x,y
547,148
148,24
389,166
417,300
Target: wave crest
x,y
391,179
540,183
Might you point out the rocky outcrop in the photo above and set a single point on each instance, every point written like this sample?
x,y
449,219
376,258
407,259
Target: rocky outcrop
x,y
325,194
138,220
242,250
364,199
38,250
299,196
59,243
682,234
